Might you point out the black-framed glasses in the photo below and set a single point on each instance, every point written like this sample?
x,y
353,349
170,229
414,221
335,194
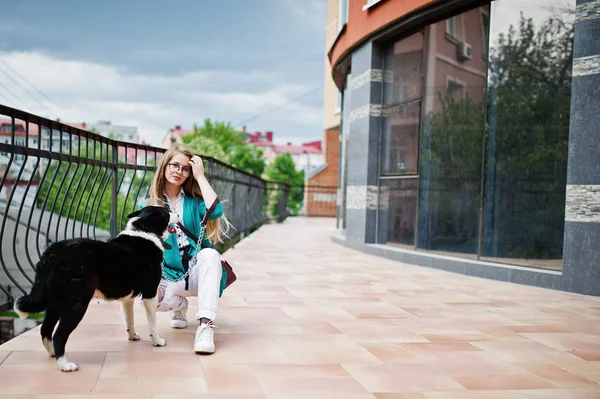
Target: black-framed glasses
x,y
174,167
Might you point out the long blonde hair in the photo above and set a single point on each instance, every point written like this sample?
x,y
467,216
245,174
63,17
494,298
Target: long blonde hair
x,y
215,229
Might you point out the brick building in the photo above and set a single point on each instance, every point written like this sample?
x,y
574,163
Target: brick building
x,y
321,194
320,189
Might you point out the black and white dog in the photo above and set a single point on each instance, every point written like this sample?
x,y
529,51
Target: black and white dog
x,y
71,272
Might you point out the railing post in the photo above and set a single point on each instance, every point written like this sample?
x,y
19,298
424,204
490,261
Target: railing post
x,y
114,189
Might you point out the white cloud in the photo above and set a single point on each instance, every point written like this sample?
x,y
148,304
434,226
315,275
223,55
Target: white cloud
x,y
507,12
87,91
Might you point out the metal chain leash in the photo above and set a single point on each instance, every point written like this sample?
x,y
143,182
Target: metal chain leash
x,y
187,273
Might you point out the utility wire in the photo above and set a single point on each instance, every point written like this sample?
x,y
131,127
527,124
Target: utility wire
x,y
280,106
17,99
25,91
31,84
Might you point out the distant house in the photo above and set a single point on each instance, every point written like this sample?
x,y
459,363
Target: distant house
x,y
306,156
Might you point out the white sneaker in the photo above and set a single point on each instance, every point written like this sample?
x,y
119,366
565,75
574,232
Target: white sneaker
x,y
204,341
178,317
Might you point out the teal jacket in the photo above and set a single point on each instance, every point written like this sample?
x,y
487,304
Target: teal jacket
x,y
193,212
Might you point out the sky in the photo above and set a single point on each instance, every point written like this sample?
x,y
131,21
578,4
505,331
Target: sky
x,y
507,12
157,64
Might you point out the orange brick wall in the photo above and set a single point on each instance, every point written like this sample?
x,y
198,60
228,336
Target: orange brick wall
x,y
362,24
324,185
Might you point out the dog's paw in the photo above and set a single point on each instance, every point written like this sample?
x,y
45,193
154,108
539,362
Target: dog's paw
x,y
134,337
65,365
159,342
69,367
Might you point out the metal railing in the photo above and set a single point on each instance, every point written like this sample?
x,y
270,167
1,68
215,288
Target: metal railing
x,y
59,182
319,200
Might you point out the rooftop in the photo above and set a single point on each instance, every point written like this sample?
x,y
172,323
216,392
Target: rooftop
x,y
310,319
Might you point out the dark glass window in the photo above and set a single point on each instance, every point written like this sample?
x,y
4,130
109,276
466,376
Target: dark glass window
x,y
402,91
529,111
398,207
400,138
452,137
474,134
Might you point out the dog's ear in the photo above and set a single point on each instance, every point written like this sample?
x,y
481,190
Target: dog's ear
x,y
133,214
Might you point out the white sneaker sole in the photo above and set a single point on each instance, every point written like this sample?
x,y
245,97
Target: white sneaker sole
x,y
204,349
178,323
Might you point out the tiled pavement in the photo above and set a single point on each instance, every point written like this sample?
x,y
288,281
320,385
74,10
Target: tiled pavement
x,y
310,319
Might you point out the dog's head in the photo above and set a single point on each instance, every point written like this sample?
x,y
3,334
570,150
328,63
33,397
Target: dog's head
x,y
153,220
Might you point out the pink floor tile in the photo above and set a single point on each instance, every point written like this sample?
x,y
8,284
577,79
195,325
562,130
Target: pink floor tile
x,y
392,353
95,396
450,338
559,376
310,319
300,370
468,363
440,347
525,352
566,341
207,396
316,387
401,378
231,379
581,368
151,365
47,379
3,355
587,355
499,381
173,385
367,333
317,343
35,357
562,394
502,394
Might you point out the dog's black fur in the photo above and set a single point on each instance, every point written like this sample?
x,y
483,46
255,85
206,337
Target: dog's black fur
x,y
71,272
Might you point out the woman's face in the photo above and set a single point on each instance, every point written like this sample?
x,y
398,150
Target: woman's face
x,y
178,169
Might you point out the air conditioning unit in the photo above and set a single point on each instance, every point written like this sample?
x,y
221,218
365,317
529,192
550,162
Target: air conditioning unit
x,y
464,51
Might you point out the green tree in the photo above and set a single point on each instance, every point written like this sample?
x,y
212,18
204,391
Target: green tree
x,y
221,141
84,192
530,113
525,146
283,170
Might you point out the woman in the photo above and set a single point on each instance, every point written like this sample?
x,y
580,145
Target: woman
x,y
180,184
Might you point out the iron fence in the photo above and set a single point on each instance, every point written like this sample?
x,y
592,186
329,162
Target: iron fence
x,y
320,200
60,181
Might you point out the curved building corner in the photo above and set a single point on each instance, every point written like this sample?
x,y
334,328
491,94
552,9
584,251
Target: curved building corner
x,y
467,135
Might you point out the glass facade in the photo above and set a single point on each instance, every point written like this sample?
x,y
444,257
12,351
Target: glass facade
x,y
474,137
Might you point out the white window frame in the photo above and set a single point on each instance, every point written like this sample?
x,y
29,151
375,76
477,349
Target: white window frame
x,y
370,3
485,35
449,31
342,13
457,82
452,35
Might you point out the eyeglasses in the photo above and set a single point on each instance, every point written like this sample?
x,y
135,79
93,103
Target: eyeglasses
x,y
175,168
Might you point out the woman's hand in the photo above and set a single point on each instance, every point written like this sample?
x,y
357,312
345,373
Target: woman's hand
x,y
197,166
208,194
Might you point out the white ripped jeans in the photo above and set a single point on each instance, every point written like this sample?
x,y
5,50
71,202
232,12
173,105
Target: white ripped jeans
x,y
204,282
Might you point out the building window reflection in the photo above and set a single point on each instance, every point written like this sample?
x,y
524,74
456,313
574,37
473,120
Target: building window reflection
x,y
474,136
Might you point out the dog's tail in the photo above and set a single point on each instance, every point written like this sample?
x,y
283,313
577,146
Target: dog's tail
x,y
35,301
